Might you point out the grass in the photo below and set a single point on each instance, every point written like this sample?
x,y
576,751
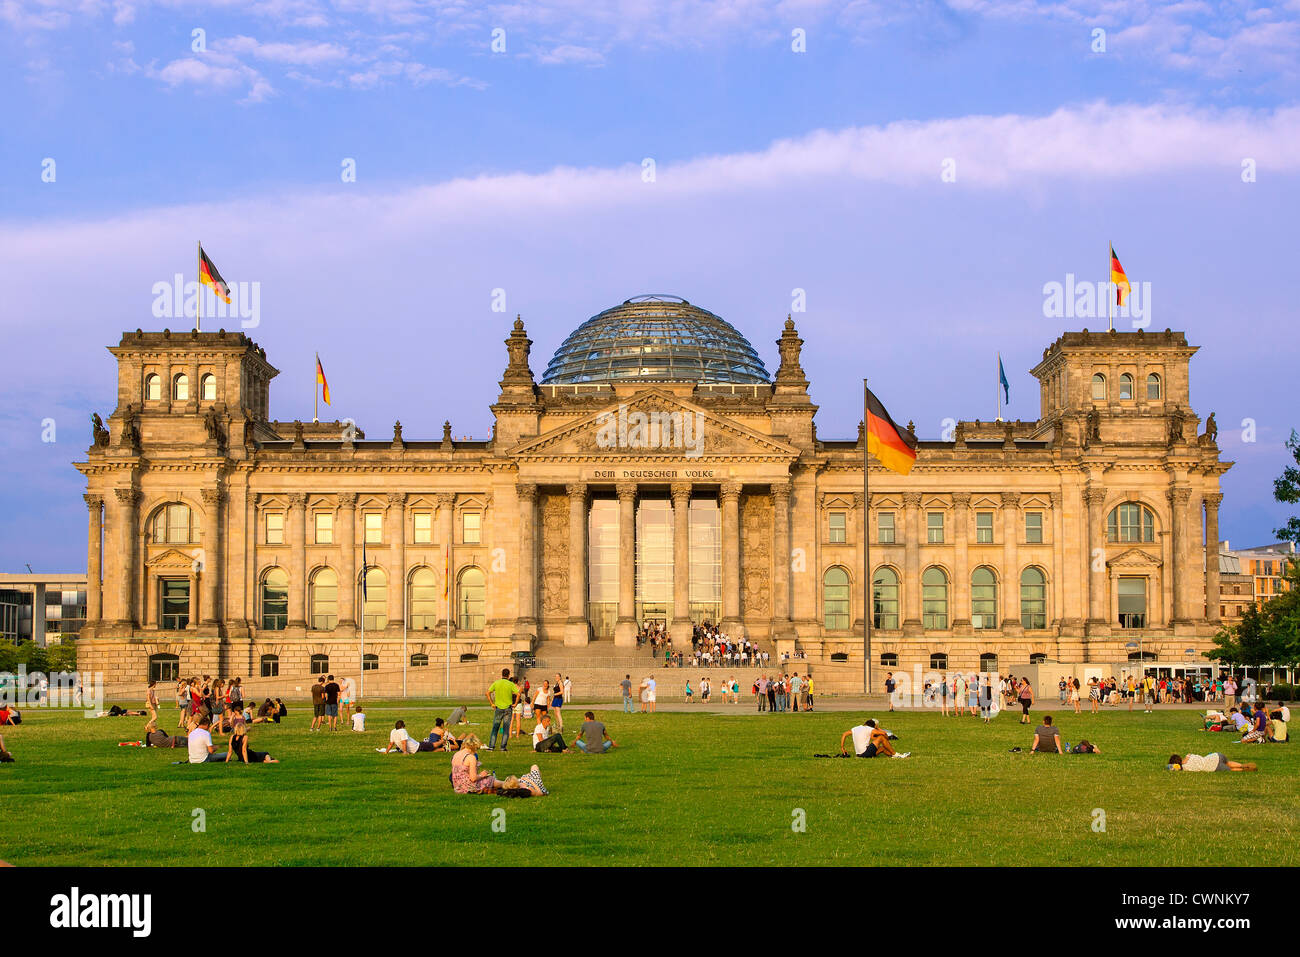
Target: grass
x,y
682,789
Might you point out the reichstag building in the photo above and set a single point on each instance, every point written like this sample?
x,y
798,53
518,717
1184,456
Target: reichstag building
x,y
657,471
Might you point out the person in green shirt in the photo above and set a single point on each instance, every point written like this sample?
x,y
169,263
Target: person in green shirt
x,y
502,695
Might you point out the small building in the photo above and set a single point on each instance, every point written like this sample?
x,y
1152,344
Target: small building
x,y
41,608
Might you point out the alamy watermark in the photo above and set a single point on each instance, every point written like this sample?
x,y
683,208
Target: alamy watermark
x,y
62,689
1096,300
179,299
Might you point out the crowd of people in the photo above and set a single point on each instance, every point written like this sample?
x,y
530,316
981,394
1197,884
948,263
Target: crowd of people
x,y
1256,724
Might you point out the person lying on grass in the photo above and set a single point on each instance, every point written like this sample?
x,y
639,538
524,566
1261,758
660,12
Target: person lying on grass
x,y
237,750
153,738
869,741
1207,762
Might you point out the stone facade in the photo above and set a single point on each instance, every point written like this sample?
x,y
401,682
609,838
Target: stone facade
x,y
234,542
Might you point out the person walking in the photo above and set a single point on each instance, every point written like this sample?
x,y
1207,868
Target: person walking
x,y
626,687
1026,697
889,688
986,699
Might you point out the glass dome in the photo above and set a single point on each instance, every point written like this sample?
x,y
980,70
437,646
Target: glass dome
x,y
658,339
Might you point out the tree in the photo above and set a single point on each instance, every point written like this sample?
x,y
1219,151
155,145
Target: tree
x,y
1268,634
1286,488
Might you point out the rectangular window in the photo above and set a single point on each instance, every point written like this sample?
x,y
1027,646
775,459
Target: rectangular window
x,y
275,528
374,527
934,527
885,528
471,525
1034,528
984,528
1132,602
175,603
324,528
422,528
838,528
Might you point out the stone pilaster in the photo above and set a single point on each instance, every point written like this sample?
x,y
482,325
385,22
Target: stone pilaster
x,y
1212,502
861,524
625,628
577,633
912,561
1095,548
214,533
526,619
782,628
127,542
94,559
1180,569
680,628
961,622
1011,624
731,621
297,563
396,560
446,530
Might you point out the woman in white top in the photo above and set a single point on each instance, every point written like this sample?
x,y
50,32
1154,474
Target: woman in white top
x,y
542,700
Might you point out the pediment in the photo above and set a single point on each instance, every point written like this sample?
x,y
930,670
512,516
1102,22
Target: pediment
x,y
172,560
1134,558
653,424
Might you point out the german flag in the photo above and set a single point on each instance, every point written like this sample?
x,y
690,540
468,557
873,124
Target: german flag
x,y
209,276
1119,278
885,439
320,380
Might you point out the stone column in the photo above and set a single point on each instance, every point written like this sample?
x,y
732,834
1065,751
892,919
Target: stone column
x,y
1011,624
347,543
1179,569
577,634
297,563
446,503
862,523
1095,545
1056,613
94,558
782,628
961,623
193,622
912,561
213,541
396,560
1212,597
731,621
128,546
626,627
526,619
680,628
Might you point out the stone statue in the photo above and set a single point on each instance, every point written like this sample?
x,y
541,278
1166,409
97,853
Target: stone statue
x,y
1175,426
446,435
98,431
212,423
397,432
1094,425
129,437
1211,430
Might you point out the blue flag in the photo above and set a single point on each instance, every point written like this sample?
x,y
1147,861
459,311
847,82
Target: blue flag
x,y
1002,378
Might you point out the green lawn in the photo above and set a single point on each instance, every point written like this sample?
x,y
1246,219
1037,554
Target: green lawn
x,y
688,789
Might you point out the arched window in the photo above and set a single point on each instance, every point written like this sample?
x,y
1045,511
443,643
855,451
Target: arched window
x,y
1099,387
423,592
934,598
1033,598
374,599
1130,522
419,661
1126,386
885,598
270,666
174,525
471,592
320,664
369,662
181,387
1153,386
1037,658
164,667
983,598
989,662
208,387
835,598
275,599
889,660
324,600
939,661
152,387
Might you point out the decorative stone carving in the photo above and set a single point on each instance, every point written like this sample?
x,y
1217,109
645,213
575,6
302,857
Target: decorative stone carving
x,y
961,499
127,497
398,443
790,345
397,499
756,513
555,555
912,499
1094,497
1179,496
526,491
1213,500
99,434
347,499
446,445
1010,499
299,499
94,502
1211,431
626,492
298,444
730,491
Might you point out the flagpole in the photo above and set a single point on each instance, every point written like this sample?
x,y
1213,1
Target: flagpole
x,y
866,545
1110,305
198,281
361,682
999,387
446,590
315,391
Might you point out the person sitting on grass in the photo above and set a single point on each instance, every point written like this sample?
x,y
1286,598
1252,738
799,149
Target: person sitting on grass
x,y
1207,762
593,738
1047,738
440,738
467,777
1277,726
546,740
400,740
237,750
869,741
359,719
200,744
265,712
280,711
1238,721
1258,732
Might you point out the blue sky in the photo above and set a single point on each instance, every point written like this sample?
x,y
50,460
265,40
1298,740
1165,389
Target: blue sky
x,y
522,170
